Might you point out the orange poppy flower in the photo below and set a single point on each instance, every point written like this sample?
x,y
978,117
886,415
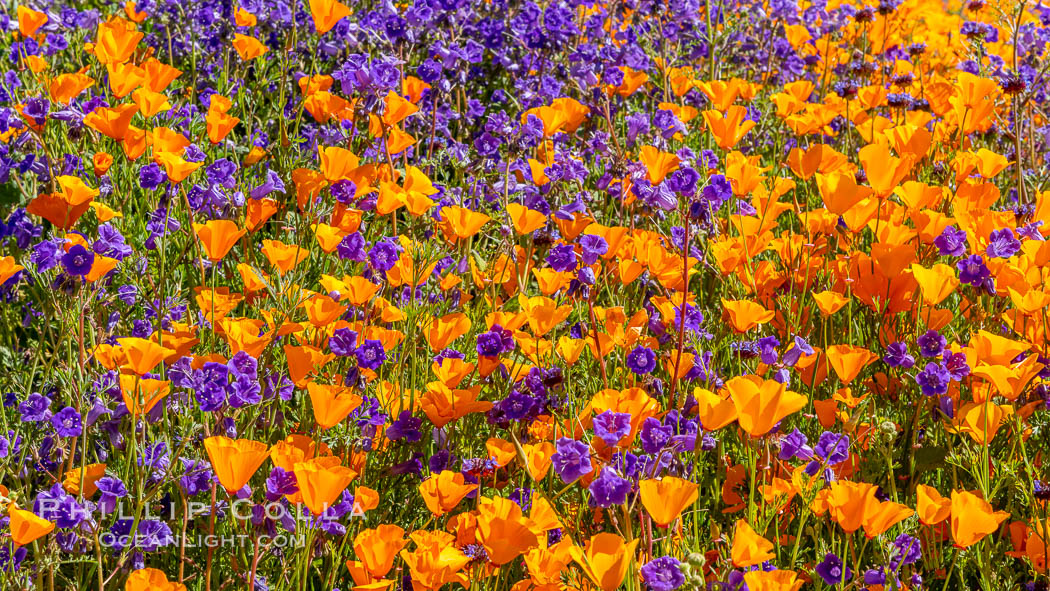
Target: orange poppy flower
x,y
159,75
442,492
745,314
830,302
8,269
525,220
377,548
730,128
1036,547
442,404
436,561
142,355
396,109
774,580
248,47
134,143
66,87
151,579
303,361
981,421
26,527
538,459
235,461
749,548
243,18
84,479
29,20
714,411
101,162
218,237
331,404
972,518
931,506
141,395
936,283
112,122
124,78
464,222
849,360
605,559
882,516
65,207
257,212
176,167
295,449
327,13
116,41
130,9
321,481
761,404
885,172
658,164
666,498
441,332
503,530
219,124
283,256
850,502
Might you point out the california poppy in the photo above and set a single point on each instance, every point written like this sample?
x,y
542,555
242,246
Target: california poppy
x,y
84,480
327,13
503,530
657,164
761,404
443,491
605,559
713,410
140,395
849,360
464,222
113,122
666,498
321,481
850,503
972,518
142,355
729,128
441,332
176,167
443,404
879,517
248,47
331,404
745,314
29,20
377,548
235,461
8,268
26,526
749,548
283,256
151,579
218,237
117,39
435,561
936,283
773,580
64,207
66,87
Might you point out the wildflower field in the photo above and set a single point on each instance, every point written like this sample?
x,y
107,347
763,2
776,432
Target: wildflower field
x,y
507,295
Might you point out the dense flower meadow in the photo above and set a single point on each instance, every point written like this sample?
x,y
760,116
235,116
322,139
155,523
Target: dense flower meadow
x,y
504,295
